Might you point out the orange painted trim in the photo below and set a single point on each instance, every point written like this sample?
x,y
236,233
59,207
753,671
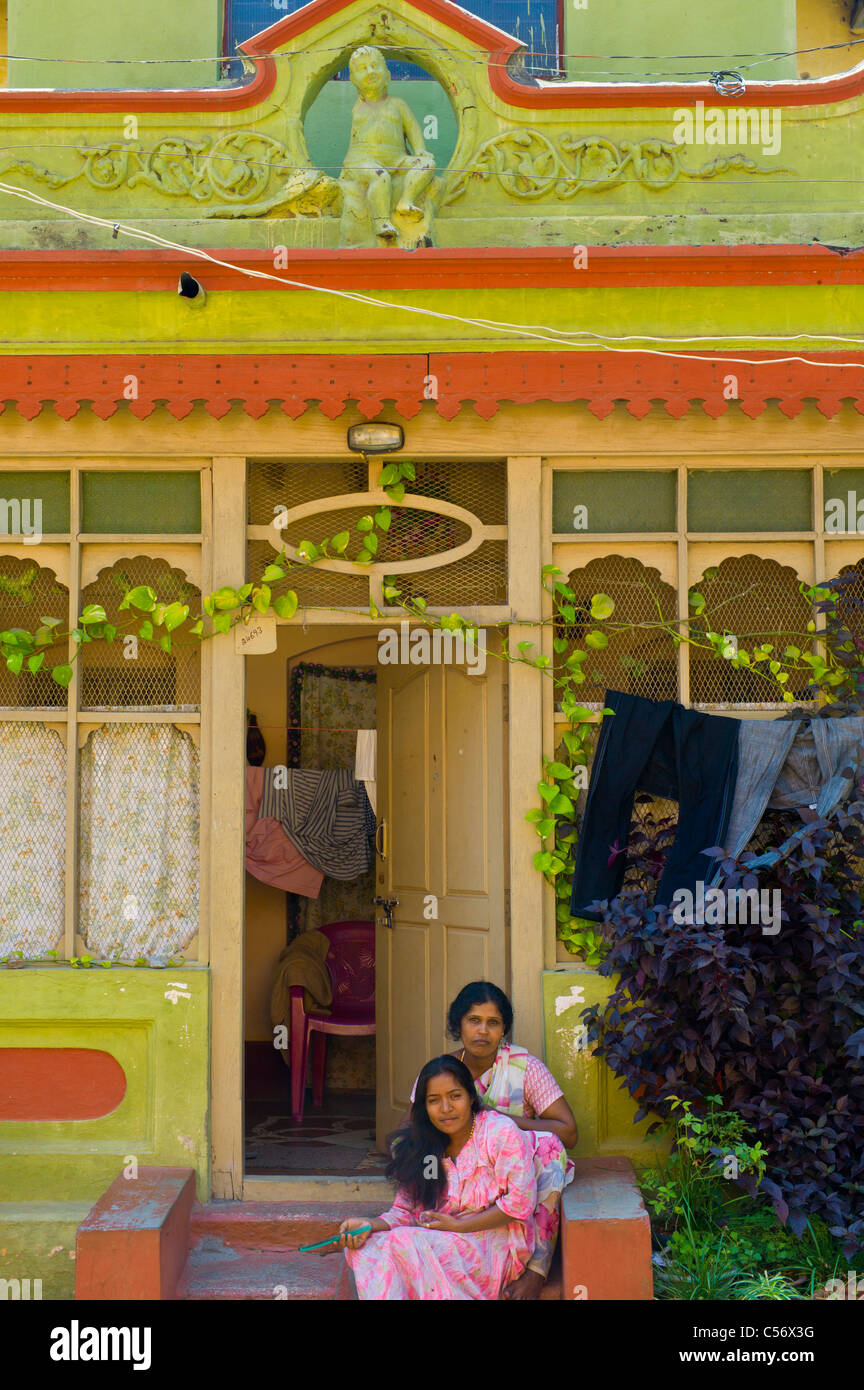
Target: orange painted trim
x,y
215,99
384,272
500,46
59,1083
390,383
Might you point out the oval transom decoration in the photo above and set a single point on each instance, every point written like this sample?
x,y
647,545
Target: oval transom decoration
x,y
427,531
59,1083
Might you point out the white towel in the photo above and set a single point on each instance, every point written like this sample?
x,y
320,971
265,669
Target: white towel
x,y
365,765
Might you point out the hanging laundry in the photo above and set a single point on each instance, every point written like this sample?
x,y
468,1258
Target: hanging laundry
x,y
791,764
666,750
270,854
326,814
366,763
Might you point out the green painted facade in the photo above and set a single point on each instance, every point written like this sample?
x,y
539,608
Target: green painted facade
x,y
655,32
604,1111
156,1024
116,30
162,1044
508,174
37,1243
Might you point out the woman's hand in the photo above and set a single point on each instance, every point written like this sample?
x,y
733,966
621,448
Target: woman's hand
x,y
439,1221
346,1236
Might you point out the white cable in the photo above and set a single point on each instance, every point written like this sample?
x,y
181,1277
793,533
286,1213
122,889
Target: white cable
x,y
540,332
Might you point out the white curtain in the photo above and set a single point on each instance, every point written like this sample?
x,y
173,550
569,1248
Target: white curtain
x,y
32,837
138,824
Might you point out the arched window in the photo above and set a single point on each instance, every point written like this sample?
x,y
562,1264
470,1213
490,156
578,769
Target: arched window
x,y
638,661
754,601
119,676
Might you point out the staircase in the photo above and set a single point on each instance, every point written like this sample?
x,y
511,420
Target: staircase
x,y
249,1250
150,1239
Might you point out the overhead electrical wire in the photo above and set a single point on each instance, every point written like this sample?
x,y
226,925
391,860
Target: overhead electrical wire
x,y
542,333
523,54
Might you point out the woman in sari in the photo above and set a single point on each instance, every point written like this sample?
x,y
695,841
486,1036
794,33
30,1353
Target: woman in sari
x,y
515,1083
461,1226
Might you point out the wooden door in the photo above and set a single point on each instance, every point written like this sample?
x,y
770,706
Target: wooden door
x,y
440,779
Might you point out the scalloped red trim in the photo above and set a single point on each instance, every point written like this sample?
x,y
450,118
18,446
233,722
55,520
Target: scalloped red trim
x,y
259,383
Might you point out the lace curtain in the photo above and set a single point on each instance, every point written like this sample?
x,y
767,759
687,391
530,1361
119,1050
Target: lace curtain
x,y
32,837
139,832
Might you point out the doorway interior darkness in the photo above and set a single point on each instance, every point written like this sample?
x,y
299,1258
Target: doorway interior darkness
x,y
322,684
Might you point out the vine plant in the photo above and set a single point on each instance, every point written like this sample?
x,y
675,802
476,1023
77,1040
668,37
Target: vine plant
x,y
831,660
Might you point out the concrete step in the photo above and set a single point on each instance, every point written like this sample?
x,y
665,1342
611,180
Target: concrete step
x,y
132,1245
606,1233
273,1226
217,1272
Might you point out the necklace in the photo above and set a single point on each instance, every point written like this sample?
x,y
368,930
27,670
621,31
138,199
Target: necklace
x,y
468,1140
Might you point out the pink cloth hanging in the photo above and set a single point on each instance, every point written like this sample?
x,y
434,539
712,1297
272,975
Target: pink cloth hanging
x,y
270,855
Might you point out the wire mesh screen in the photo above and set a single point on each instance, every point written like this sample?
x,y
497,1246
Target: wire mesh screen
x,y
315,587
28,593
276,484
32,837
146,677
414,533
637,661
850,609
756,601
652,831
481,488
138,840
478,578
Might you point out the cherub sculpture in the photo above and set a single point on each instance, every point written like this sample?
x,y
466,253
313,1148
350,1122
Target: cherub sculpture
x,y
388,170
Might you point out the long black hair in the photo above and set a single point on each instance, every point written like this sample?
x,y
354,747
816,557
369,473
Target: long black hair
x,y
478,992
416,1152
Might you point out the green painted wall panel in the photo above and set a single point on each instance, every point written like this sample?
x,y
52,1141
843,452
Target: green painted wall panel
x,y
645,39
156,1024
114,29
604,1113
37,1242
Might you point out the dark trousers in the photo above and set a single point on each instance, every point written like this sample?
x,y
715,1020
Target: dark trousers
x,y
666,750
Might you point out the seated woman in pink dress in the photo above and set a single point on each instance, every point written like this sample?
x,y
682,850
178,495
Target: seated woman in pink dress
x,y
515,1083
462,1225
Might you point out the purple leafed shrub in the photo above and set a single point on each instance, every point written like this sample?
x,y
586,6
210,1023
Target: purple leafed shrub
x,y
774,1023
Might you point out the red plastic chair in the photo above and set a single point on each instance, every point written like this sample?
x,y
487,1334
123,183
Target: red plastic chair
x,y
351,962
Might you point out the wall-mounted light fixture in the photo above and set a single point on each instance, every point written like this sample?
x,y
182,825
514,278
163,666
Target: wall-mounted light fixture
x,y
191,289
379,438
857,22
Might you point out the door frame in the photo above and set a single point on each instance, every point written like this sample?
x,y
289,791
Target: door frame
x,y
529,900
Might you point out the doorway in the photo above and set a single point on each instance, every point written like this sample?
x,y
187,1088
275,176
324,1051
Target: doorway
x,y
438,872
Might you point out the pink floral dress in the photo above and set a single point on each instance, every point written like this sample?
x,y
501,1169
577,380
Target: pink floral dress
x,y
412,1262
519,1084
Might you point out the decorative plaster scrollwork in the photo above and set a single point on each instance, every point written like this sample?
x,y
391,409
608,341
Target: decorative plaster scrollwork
x,y
242,173
530,165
